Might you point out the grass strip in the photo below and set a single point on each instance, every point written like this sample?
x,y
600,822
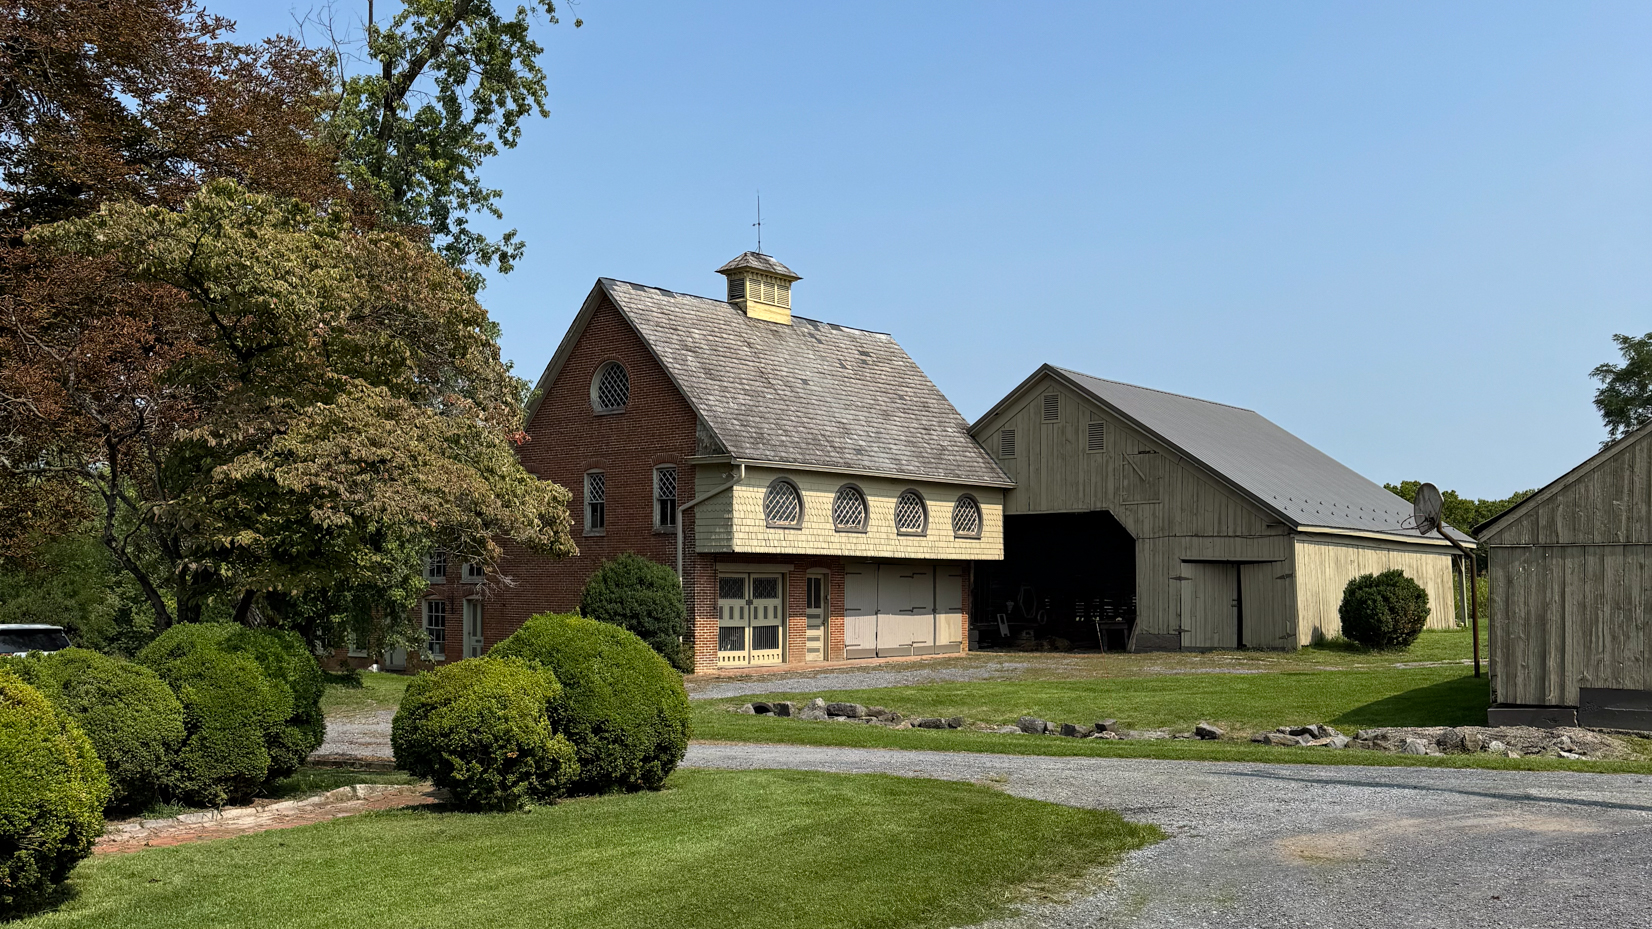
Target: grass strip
x,y
715,849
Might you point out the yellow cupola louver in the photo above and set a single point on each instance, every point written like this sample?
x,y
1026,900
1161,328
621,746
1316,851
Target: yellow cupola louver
x,y
761,287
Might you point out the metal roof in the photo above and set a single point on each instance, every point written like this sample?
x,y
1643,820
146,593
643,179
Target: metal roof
x,y
1285,474
761,262
811,394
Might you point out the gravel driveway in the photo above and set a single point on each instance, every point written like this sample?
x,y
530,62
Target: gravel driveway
x,y
1307,846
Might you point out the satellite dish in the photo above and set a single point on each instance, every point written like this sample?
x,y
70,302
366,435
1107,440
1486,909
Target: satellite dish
x,y
1426,508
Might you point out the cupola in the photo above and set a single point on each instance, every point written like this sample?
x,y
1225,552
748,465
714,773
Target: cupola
x,y
761,287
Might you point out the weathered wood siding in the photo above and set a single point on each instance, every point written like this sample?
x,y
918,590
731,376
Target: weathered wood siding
x,y
1175,511
1571,584
1325,565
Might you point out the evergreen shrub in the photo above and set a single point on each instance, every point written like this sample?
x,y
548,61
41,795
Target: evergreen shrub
x,y
643,597
484,729
625,709
52,792
1383,611
132,718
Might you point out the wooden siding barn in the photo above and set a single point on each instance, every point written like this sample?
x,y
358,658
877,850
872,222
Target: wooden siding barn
x,y
1571,596
1155,521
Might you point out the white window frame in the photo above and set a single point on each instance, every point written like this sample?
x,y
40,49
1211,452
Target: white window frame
x,y
471,611
473,573
435,567
437,648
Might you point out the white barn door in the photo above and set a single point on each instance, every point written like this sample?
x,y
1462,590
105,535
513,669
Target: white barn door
x,y
860,610
949,608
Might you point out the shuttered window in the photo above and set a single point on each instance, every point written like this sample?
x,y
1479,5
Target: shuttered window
x,y
1006,443
1052,408
1097,439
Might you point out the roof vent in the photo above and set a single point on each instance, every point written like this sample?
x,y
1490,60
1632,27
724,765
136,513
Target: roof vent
x,y
1052,408
760,287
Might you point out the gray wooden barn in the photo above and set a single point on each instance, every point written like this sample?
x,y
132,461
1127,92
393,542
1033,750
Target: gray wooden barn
x,y
1150,520
1571,596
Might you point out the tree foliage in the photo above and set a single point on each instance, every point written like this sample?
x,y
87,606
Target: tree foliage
x,y
644,598
448,81
1461,513
307,407
1625,395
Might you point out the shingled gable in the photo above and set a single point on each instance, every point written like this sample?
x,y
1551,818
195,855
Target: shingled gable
x,y
1297,483
811,395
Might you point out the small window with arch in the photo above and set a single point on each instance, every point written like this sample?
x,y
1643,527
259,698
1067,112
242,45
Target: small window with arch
x,y
783,505
596,502
911,515
966,518
849,509
610,388
665,497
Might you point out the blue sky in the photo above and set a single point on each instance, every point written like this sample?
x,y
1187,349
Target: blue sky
x,y
1403,232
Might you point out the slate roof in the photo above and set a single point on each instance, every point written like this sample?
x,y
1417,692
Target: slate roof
x,y
812,393
1299,482
761,262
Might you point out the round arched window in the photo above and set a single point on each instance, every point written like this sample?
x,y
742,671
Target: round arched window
x,y
783,505
966,518
911,517
611,388
849,509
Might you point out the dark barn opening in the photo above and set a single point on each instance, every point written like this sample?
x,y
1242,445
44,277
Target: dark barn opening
x,y
1065,576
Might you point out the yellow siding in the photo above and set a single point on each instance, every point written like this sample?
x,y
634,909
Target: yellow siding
x,y
1325,565
745,529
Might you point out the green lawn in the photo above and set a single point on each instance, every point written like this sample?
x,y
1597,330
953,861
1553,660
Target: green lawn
x,y
716,849
379,690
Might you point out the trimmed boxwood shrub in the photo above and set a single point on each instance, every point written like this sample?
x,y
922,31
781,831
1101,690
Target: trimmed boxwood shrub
x,y
52,791
485,731
285,658
1383,611
132,718
233,713
643,597
624,708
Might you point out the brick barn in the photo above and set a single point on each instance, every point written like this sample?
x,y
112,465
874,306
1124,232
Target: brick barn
x,y
819,496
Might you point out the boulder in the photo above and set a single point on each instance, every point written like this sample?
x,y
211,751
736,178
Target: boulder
x,y
1472,741
1207,731
813,713
1451,742
748,708
956,722
1367,745
784,708
929,722
851,710
878,712
1280,738
1032,725
1075,731
817,703
1107,725
1414,747
1007,730
1104,734
1145,734
1496,747
1571,755
1339,741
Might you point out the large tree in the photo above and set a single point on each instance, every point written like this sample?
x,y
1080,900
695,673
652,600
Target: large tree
x,y
446,82
222,345
280,405
1625,395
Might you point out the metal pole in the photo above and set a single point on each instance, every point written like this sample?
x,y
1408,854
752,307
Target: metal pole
x,y
1473,593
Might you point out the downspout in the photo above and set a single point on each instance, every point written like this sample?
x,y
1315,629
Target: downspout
x,y
694,503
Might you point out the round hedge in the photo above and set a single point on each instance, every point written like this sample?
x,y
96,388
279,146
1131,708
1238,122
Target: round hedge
x,y
1383,611
624,708
284,657
52,792
233,713
643,597
485,731
132,718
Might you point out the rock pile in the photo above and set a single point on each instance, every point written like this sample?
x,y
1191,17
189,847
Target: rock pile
x,y
819,710
1509,741
1315,736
